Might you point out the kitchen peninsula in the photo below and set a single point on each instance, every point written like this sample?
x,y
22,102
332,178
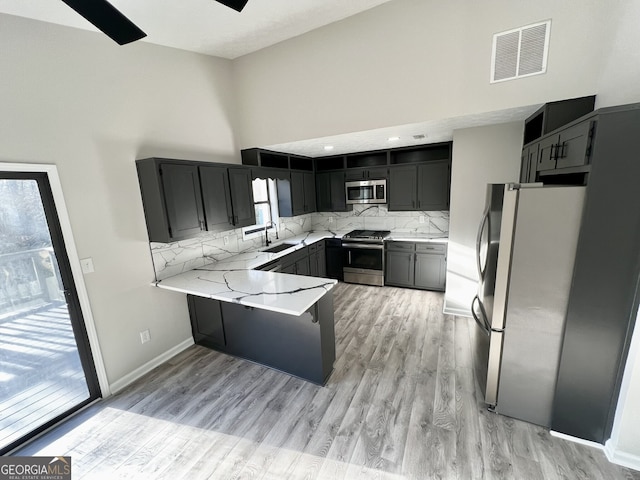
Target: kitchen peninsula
x,y
279,320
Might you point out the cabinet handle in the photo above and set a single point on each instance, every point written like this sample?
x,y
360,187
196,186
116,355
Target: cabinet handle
x,y
349,261
560,151
413,204
235,220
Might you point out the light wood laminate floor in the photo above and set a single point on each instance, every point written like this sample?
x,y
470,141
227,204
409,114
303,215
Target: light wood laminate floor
x,y
401,404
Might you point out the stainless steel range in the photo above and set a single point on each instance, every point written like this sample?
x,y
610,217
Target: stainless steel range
x,y
364,256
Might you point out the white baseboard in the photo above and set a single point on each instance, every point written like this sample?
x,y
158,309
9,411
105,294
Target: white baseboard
x,y
581,441
150,365
623,459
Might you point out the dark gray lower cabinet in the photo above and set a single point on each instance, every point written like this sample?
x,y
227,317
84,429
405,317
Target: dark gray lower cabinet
x,y
416,265
430,271
206,321
400,268
309,260
303,345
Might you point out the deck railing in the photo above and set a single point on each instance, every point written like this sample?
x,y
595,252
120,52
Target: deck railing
x,y
28,277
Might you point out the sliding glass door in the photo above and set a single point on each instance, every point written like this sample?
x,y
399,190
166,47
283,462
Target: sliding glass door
x,y
46,368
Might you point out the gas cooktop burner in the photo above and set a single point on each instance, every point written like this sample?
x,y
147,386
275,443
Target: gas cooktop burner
x,y
367,234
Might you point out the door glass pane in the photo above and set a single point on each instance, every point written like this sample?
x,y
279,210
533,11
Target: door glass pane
x,y
41,376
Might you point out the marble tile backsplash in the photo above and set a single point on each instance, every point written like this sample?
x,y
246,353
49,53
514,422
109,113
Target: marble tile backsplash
x,y
173,258
377,217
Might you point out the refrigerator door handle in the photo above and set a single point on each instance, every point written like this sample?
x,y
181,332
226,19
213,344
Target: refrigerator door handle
x,y
485,220
481,323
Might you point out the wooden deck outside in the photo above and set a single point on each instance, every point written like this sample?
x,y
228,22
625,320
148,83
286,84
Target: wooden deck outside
x,y
40,371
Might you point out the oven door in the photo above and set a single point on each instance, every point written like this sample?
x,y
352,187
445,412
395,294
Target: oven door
x,y
364,263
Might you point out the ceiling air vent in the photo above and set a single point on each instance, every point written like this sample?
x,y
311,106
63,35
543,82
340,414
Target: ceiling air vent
x,y
521,52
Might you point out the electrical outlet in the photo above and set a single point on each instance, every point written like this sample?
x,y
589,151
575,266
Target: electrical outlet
x,y
330,219
225,240
421,218
87,265
145,336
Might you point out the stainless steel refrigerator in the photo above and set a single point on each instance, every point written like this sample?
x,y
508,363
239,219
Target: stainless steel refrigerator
x,y
525,253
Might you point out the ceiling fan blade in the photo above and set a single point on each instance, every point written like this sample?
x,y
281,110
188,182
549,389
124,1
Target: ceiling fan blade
x,y
237,5
108,19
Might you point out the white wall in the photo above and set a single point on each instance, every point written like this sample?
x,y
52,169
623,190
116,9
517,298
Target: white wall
x,y
620,79
80,101
480,155
411,61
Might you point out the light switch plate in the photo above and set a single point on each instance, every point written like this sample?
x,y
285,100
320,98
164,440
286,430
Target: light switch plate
x,y
87,265
225,240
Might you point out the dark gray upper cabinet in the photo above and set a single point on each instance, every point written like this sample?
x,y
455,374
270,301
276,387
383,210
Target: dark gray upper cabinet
x,y
375,173
216,196
528,166
183,199
433,185
171,199
241,190
330,192
297,196
574,145
403,188
297,193
309,181
420,187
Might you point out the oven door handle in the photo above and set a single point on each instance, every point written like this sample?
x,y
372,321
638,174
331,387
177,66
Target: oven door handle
x,y
368,246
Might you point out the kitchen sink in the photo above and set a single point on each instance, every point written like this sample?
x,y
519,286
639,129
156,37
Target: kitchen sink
x,y
278,248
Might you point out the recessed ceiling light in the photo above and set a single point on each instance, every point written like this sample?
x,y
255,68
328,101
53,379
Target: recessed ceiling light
x,y
328,147
394,139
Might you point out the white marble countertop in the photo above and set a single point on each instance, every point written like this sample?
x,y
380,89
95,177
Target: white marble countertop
x,y
417,237
234,280
278,292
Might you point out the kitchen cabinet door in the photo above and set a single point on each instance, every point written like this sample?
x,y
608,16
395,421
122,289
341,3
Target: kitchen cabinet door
x,y
547,153
573,146
430,270
433,186
330,192
322,260
323,192
297,193
183,200
302,266
309,183
374,173
400,268
216,197
244,213
528,164
206,321
403,188
313,264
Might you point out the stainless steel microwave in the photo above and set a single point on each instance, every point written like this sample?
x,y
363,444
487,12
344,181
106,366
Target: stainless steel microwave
x,y
366,191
